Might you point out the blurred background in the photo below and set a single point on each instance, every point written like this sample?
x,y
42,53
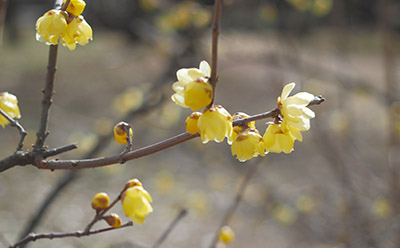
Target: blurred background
x,y
340,187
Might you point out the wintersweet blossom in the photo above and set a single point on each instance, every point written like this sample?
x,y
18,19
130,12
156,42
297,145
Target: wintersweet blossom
x,y
280,137
9,104
248,144
237,129
51,26
226,234
75,7
191,123
215,124
136,203
193,89
294,108
78,31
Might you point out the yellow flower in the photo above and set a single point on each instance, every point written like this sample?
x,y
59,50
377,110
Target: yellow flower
x,y
280,137
136,203
215,124
76,7
248,144
100,201
191,123
9,104
120,134
78,31
51,26
192,88
226,234
294,108
237,129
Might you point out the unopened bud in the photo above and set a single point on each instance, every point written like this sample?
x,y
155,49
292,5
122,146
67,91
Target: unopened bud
x,y
113,220
120,132
191,123
100,201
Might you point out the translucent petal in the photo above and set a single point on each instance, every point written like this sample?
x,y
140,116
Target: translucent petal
x,y
178,86
205,68
179,99
182,75
195,74
286,90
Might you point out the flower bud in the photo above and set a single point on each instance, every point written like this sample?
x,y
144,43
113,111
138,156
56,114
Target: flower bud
x,y
191,123
75,7
100,201
120,134
113,220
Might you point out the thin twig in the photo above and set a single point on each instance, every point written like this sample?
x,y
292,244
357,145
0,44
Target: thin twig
x,y
238,198
47,98
171,226
214,45
16,124
34,237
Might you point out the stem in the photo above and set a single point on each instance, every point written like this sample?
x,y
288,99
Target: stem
x,y
238,198
47,98
181,214
34,237
21,130
214,46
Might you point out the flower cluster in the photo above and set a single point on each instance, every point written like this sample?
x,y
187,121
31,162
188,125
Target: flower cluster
x,y
9,104
135,203
69,25
193,90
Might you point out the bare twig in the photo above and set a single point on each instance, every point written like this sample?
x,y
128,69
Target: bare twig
x,y
214,45
16,124
59,150
47,98
238,198
180,215
34,237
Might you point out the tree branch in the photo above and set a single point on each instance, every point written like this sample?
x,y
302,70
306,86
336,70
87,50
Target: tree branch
x,y
34,237
181,214
47,98
16,124
238,198
214,45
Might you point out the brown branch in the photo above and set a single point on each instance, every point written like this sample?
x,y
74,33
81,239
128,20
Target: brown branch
x,y
59,150
16,124
238,198
214,45
47,98
181,214
115,159
33,237
145,151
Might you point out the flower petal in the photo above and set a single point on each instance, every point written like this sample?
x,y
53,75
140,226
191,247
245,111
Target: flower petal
x,y
286,90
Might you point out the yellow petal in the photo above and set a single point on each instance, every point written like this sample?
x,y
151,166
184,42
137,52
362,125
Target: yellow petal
x,y
286,90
